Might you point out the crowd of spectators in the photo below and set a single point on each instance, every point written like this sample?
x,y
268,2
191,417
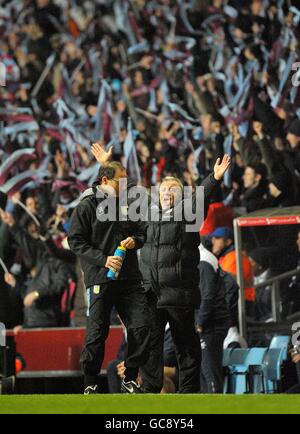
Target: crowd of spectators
x,y
184,81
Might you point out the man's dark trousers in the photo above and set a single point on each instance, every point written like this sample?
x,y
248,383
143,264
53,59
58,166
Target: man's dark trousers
x,y
211,379
187,348
129,298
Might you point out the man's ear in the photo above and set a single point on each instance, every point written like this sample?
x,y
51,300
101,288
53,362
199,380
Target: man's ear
x,y
104,180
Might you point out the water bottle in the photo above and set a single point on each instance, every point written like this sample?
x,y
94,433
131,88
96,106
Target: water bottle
x,y
112,273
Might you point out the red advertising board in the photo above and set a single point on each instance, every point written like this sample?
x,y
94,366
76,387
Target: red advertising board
x,y
58,349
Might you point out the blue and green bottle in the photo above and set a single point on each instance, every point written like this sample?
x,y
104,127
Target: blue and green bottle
x,y
112,273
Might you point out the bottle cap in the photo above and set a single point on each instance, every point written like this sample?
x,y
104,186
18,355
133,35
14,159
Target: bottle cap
x,y
121,248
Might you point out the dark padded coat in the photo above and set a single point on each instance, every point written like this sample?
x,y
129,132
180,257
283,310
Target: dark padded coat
x,y
170,258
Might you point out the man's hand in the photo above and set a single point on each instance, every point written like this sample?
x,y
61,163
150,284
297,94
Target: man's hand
x,y
10,279
114,262
221,167
128,244
30,298
99,152
7,218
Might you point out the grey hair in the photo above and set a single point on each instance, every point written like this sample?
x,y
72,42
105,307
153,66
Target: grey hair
x,y
173,178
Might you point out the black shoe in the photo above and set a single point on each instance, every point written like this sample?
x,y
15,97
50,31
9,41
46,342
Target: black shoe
x,y
91,390
130,387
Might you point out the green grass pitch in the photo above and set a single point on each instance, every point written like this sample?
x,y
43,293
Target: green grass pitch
x,y
150,404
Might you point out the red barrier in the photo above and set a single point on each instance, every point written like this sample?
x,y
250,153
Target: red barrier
x,y
58,349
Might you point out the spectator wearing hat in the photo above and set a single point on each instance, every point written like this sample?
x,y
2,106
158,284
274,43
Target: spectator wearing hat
x,y
279,187
223,247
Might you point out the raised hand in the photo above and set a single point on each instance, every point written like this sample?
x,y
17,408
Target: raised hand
x,y
221,167
99,152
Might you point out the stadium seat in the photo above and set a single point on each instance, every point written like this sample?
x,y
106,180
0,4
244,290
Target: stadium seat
x,y
245,370
255,375
272,364
236,366
226,357
281,342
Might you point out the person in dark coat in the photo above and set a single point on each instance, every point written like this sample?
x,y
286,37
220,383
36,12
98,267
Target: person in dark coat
x,y
279,187
11,312
47,280
256,187
169,264
212,320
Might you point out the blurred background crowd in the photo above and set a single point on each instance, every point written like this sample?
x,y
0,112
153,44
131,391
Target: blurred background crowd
x,y
172,85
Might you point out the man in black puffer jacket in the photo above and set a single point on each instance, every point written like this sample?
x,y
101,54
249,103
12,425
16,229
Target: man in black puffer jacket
x,y
169,265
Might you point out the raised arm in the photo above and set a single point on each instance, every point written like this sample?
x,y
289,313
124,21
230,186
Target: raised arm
x,y
212,180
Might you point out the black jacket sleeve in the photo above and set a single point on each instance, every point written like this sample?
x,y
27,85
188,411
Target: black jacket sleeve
x,y
208,290
209,184
79,235
140,234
